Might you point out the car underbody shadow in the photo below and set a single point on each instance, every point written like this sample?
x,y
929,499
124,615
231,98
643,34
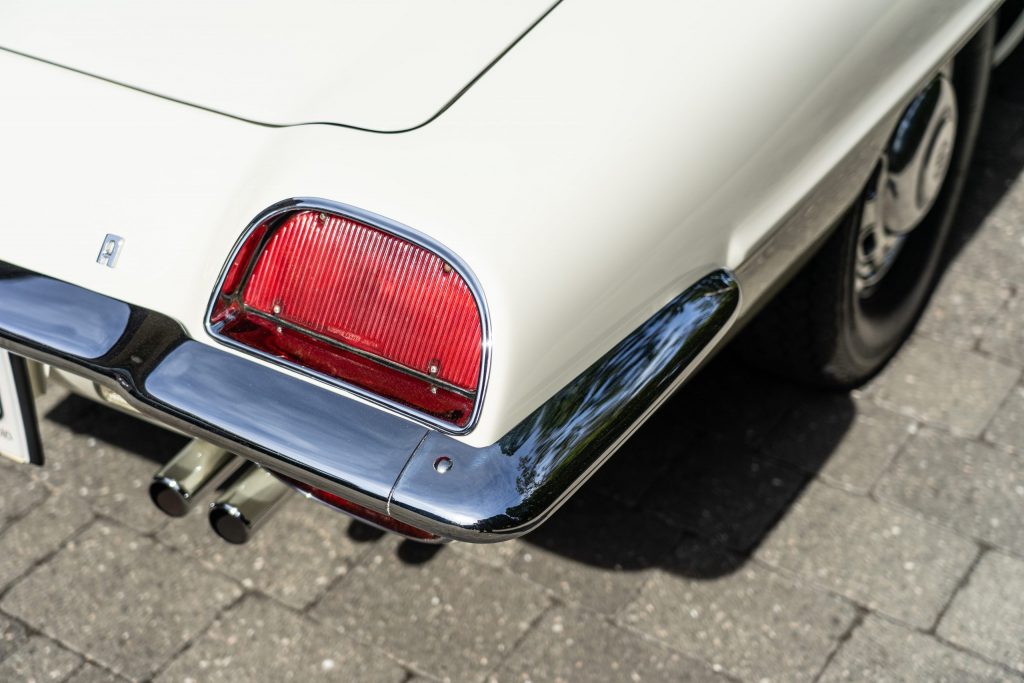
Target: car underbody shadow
x,y
117,429
999,158
715,468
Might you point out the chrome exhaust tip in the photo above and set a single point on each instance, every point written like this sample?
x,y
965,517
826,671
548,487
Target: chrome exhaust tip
x,y
197,467
244,507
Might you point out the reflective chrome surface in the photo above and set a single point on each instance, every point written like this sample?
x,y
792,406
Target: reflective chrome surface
x,y
489,494
244,507
67,319
404,232
197,467
361,453
110,250
908,180
359,448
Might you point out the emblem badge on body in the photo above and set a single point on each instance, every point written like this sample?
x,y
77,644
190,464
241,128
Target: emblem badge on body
x,y
110,250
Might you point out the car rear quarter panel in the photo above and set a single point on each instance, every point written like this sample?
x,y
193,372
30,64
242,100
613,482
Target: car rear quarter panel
x,y
617,154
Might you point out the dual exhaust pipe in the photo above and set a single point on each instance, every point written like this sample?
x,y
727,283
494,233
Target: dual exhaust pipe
x,y
199,467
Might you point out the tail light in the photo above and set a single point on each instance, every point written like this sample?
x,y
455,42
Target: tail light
x,y
354,303
358,511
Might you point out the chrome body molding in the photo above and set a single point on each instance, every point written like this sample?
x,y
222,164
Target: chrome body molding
x,y
404,232
357,451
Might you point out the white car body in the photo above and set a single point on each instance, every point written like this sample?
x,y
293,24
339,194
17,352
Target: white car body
x,y
612,157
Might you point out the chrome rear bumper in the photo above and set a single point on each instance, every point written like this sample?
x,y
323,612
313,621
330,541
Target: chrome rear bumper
x,y
358,452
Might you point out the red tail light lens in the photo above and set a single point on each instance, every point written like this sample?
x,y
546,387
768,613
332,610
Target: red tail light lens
x,y
361,512
354,303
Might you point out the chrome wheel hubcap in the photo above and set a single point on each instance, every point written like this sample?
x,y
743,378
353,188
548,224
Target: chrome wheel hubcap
x,y
908,180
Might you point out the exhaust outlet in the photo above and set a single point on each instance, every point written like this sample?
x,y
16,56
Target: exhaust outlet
x,y
196,467
245,506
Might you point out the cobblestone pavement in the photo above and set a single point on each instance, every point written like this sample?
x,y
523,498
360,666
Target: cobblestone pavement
x,y
752,531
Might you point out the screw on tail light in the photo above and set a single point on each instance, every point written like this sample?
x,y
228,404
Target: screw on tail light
x,y
361,302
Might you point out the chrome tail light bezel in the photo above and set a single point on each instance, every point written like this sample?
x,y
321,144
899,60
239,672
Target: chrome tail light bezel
x,y
280,210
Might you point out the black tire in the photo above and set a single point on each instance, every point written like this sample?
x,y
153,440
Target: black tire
x,y
819,329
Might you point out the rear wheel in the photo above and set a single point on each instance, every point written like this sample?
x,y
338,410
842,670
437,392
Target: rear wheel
x,y
847,312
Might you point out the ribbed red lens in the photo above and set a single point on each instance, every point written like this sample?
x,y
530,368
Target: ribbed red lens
x,y
359,304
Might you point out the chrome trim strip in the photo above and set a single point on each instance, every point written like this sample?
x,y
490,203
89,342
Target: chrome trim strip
x,y
403,232
366,455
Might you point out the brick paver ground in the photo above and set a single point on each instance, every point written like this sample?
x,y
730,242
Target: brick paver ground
x,y
752,531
